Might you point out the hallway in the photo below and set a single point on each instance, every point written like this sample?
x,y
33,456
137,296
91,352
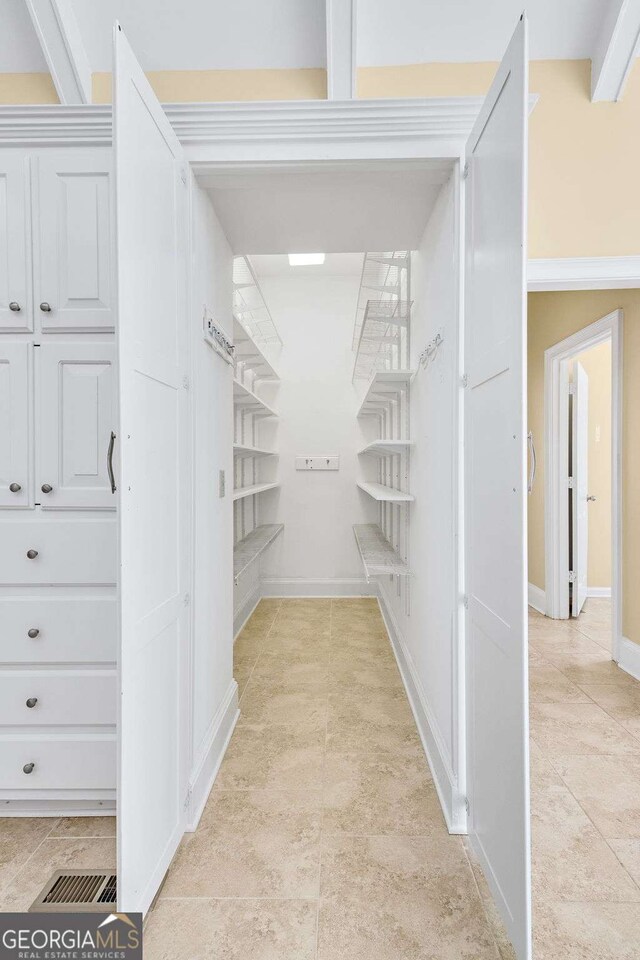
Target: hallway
x,y
585,791
323,836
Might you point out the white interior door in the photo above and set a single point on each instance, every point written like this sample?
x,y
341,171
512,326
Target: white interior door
x,y
496,491
151,204
579,491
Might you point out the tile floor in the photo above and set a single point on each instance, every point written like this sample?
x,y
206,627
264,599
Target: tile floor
x,y
323,836
585,791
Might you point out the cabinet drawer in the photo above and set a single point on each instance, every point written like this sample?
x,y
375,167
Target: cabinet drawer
x,y
75,697
59,763
68,630
68,552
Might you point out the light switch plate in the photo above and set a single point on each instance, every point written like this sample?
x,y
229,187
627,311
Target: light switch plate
x,y
317,463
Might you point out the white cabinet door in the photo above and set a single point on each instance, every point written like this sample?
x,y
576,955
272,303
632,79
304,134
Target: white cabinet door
x,y
151,203
496,492
76,413
16,314
580,491
15,424
73,258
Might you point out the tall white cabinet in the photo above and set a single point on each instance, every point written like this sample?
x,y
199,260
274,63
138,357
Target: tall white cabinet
x,y
58,563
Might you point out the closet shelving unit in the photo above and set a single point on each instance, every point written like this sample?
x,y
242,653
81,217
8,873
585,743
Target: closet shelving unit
x,y
254,331
381,342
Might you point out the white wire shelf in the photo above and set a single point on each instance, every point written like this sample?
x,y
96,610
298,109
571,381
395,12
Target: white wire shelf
x,y
386,494
240,450
253,490
385,448
250,547
249,356
383,386
244,396
378,556
249,305
384,276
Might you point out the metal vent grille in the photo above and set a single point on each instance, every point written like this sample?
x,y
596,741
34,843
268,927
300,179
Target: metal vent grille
x,y
78,890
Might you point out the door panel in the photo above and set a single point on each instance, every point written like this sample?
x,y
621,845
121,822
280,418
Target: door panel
x,y
73,260
580,491
16,386
151,204
76,414
495,491
15,243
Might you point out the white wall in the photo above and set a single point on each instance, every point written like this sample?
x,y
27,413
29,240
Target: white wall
x,y
317,404
427,637
213,686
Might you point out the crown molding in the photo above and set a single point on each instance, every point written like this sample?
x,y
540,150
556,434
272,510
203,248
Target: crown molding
x,y
583,273
219,131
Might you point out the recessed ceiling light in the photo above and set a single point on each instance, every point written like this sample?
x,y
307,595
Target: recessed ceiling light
x,y
306,259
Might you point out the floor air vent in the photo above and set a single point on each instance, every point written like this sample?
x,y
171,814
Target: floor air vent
x,y
74,891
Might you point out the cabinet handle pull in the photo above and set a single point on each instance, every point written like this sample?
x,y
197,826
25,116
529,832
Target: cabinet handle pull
x,y
14,306
28,768
532,451
32,554
112,479
15,487
31,702
46,488
32,633
45,307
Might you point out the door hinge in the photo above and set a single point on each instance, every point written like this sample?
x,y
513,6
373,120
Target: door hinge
x,y
464,380
183,175
465,171
187,599
572,389
186,383
466,805
570,483
572,576
187,799
465,601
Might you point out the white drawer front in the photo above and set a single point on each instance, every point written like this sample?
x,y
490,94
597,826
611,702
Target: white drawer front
x,y
68,552
45,697
58,763
68,630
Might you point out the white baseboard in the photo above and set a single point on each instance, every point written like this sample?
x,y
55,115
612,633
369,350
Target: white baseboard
x,y
58,808
629,653
537,599
294,587
452,803
207,762
246,609
599,592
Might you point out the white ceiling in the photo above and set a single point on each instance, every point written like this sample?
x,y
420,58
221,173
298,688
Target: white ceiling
x,y
342,208
244,34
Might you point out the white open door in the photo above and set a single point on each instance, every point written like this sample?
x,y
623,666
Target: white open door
x,y
579,490
151,205
496,491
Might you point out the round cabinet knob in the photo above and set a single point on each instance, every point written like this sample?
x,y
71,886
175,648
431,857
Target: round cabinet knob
x,y
15,487
45,307
33,632
31,702
46,488
32,554
28,768
14,306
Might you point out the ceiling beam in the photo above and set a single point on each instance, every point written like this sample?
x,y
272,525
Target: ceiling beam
x,y
59,35
616,47
341,49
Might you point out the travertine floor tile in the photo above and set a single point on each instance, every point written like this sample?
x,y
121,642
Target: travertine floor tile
x,y
548,685
578,729
620,702
586,931
231,930
85,827
285,703
608,790
278,756
389,898
628,853
19,837
258,843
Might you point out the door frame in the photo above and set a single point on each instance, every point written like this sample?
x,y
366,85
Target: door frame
x,y
555,506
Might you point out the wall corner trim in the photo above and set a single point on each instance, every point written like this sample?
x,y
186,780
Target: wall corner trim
x,y
629,657
537,599
451,801
210,755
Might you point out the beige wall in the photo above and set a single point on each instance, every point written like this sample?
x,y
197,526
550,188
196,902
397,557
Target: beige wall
x,y
584,195
552,317
597,366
